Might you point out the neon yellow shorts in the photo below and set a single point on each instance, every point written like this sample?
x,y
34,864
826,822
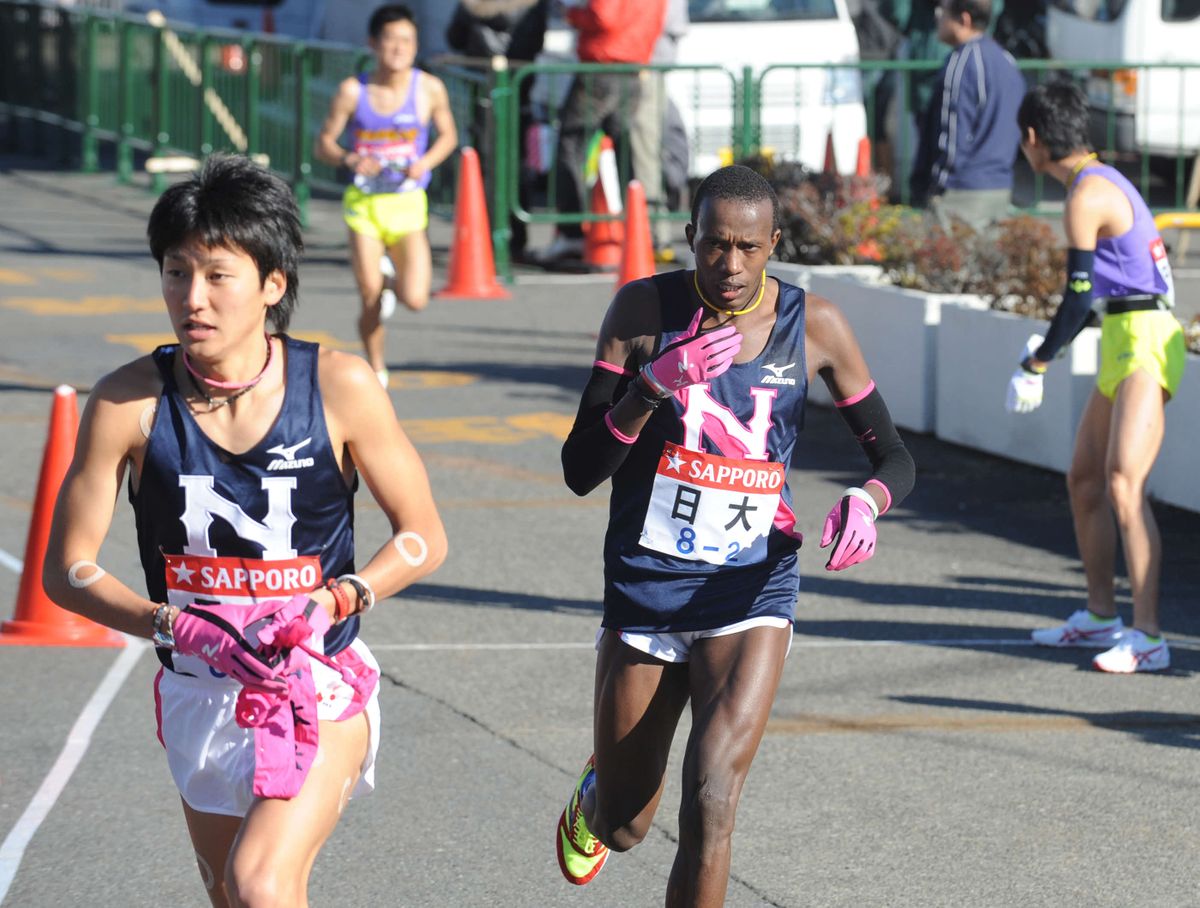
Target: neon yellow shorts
x,y
387,216
1150,340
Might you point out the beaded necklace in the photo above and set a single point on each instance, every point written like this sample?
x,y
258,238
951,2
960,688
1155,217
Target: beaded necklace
x,y
240,387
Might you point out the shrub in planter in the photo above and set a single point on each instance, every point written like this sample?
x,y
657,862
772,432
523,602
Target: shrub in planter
x,y
829,219
812,205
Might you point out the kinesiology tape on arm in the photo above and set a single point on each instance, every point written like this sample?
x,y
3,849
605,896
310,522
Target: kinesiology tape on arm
x,y
595,449
1076,307
893,469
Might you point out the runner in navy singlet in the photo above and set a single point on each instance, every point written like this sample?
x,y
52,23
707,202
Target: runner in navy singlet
x,y
243,449
692,410
389,112
1117,270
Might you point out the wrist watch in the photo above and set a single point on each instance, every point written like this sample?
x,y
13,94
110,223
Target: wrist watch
x,y
164,627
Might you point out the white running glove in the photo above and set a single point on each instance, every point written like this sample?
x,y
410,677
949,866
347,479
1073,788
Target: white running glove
x,y
1025,387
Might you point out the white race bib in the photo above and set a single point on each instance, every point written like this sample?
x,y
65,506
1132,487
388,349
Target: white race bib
x,y
705,507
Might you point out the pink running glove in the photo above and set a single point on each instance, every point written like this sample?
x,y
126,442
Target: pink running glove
x,y
850,527
286,731
226,636
694,358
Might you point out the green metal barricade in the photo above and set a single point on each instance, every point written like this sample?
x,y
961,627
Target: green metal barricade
x,y
148,88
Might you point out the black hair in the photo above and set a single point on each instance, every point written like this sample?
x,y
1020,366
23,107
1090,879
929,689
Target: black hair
x,y
1057,112
736,183
234,203
980,11
386,15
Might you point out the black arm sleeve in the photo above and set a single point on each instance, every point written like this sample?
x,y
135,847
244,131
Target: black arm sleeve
x,y
1076,308
892,465
591,453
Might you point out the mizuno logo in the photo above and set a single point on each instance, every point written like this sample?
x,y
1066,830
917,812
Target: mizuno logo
x,y
776,377
287,457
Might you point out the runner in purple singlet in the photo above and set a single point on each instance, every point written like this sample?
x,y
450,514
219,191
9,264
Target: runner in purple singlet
x,y
389,112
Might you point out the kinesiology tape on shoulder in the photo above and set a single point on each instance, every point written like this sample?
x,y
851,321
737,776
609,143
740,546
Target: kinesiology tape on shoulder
x,y
867,416
1076,307
592,452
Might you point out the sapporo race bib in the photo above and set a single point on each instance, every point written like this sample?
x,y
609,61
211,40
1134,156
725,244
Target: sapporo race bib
x,y
198,578
705,507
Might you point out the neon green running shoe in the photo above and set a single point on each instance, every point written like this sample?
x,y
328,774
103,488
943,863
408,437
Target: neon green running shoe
x,y
580,854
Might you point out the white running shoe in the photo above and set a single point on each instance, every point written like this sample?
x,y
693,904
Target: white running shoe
x,y
384,378
1082,629
387,299
387,304
1135,652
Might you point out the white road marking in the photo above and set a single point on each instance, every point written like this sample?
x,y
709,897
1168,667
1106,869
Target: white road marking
x,y
80,736
12,562
574,644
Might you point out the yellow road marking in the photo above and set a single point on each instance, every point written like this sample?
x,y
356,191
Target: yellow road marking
x,y
88,305
325,339
403,380
73,275
478,465
8,276
488,429
145,343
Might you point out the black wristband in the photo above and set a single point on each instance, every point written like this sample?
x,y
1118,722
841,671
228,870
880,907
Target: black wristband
x,y
1027,365
638,387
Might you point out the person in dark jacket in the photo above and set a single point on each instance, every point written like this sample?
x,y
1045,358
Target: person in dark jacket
x,y
969,139
516,30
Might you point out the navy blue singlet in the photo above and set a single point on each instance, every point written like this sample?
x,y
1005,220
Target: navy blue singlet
x,y
267,524
694,542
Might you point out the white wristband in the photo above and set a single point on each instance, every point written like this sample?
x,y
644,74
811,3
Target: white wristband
x,y
856,492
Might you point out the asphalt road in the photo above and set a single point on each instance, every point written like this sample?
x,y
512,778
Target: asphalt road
x,y
920,751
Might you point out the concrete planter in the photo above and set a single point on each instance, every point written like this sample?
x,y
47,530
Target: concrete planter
x,y
977,351
897,330
801,275
1173,478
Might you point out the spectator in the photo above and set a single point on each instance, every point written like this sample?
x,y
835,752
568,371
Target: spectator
x,y
515,30
650,124
610,31
968,138
904,30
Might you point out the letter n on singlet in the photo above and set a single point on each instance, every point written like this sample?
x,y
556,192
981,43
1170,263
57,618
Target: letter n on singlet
x,y
704,416
202,503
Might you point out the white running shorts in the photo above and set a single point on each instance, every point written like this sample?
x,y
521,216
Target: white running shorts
x,y
676,647
212,758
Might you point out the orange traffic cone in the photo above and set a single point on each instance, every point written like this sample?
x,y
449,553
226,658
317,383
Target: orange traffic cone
x,y
637,255
472,267
862,167
603,240
38,621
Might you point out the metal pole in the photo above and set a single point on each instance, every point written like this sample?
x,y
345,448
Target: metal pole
x,y
158,180
90,155
253,80
125,102
503,117
301,179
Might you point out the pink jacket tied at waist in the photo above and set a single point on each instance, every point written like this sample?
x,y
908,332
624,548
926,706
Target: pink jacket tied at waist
x,y
285,725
